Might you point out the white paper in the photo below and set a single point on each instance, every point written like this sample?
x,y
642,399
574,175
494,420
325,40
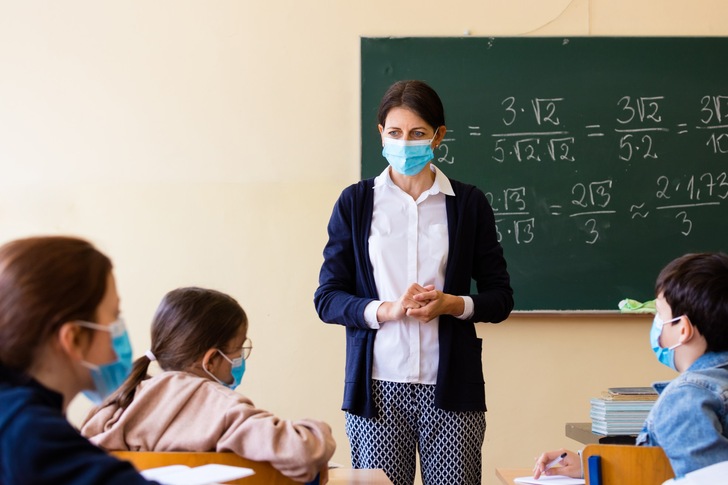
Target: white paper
x,y
551,480
200,475
716,474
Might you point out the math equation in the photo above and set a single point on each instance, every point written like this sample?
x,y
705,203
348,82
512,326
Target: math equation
x,y
623,167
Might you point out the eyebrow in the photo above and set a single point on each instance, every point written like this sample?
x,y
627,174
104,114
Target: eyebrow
x,y
416,128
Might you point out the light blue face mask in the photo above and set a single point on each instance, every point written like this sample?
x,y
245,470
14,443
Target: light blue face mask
x,y
408,157
666,356
108,377
237,370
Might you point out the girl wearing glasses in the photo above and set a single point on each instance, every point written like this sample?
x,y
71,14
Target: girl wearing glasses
x,y
199,339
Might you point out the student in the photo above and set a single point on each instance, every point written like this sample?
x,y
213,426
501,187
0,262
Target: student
x,y
199,339
60,334
403,250
690,335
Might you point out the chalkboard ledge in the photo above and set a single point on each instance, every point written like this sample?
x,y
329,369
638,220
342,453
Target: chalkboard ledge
x,y
579,314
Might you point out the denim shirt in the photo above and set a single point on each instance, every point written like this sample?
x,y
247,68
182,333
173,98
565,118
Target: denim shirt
x,y
690,418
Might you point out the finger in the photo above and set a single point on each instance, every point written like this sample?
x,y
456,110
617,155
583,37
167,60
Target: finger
x,y
430,295
416,288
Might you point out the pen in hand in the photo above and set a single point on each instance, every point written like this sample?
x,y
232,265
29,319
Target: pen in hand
x,y
555,461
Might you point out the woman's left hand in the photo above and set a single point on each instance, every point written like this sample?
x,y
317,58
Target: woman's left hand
x,y
436,303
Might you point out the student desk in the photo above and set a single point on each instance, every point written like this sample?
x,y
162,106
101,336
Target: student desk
x,y
582,433
507,475
350,476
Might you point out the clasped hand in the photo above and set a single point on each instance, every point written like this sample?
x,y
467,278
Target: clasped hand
x,y
420,302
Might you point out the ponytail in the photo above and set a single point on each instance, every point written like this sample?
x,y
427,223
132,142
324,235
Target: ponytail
x,y
124,395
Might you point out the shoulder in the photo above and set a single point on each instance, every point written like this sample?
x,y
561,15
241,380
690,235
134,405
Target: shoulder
x,y
470,200
467,193
23,404
690,393
191,385
358,189
31,423
711,380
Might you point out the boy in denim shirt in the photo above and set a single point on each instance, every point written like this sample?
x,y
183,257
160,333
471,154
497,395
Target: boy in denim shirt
x,y
689,334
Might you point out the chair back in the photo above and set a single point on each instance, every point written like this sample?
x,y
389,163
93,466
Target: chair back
x,y
265,474
628,465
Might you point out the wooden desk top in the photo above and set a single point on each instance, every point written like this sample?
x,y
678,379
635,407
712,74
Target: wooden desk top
x,y
350,476
507,475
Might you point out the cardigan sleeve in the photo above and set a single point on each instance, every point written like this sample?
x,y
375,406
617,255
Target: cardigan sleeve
x,y
477,255
344,287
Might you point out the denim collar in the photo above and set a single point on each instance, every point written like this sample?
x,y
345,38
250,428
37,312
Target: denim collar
x,y
708,360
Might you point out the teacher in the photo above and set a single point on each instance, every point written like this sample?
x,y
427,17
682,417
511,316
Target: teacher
x,y
403,249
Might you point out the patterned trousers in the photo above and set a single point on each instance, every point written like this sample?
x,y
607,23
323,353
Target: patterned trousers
x,y
449,443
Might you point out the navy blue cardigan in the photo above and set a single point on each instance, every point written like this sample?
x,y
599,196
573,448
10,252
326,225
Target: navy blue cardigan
x,y
346,286
38,445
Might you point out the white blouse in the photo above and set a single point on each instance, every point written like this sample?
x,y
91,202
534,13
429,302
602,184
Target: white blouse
x,y
408,243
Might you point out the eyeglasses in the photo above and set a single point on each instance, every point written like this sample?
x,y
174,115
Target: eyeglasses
x,y
247,348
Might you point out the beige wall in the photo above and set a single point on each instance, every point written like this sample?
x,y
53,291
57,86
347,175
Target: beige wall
x,y
204,142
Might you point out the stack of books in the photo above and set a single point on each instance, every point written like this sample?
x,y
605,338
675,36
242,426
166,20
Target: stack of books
x,y
621,410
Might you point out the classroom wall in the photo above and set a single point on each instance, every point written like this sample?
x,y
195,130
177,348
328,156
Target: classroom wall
x,y
205,142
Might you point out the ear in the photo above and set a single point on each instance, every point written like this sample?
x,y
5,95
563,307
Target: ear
x,y
210,359
381,133
70,340
687,330
439,135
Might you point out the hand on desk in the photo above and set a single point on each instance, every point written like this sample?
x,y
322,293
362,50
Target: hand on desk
x,y
570,464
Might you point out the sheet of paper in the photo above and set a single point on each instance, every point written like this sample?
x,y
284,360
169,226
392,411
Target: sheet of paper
x,y
551,480
201,475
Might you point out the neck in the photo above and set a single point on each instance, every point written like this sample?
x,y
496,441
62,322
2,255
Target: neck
x,y
57,375
415,185
689,352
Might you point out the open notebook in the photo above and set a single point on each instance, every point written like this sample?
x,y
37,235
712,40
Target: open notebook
x,y
550,480
199,475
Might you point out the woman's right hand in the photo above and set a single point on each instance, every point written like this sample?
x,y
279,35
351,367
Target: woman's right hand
x,y
570,465
396,310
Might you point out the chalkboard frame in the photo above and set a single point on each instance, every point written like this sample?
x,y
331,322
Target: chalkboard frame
x,y
660,62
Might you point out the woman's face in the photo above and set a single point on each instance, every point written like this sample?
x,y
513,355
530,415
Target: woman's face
x,y
403,124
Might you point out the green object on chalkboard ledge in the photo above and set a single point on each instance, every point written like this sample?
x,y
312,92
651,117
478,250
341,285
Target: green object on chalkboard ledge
x,y
603,158
633,306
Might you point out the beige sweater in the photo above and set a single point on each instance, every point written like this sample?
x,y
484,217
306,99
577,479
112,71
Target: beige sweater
x,y
178,411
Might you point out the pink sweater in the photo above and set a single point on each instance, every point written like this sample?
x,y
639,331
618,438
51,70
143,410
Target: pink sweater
x,y
178,411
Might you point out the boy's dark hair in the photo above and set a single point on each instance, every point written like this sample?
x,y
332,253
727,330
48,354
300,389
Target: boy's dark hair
x,y
696,285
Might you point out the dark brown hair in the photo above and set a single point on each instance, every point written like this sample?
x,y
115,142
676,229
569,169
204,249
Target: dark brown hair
x,y
696,285
44,283
188,322
417,97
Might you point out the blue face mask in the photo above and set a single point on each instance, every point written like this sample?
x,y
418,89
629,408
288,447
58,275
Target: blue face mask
x,y
108,377
237,370
408,157
665,355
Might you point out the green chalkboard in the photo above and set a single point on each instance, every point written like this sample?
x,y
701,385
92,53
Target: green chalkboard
x,y
603,158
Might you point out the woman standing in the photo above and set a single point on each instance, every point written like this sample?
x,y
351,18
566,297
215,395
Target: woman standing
x,y
403,249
